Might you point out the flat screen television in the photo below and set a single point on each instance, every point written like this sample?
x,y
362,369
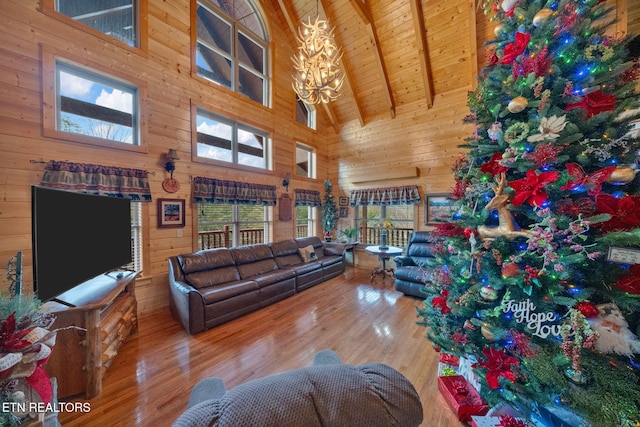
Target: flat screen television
x,y
76,237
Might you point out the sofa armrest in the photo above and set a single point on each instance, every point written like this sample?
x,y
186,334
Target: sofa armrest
x,y
334,248
186,303
403,261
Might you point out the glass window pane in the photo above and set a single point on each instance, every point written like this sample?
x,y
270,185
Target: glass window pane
x,y
213,31
251,149
305,161
250,53
251,85
213,66
116,18
214,139
92,105
215,225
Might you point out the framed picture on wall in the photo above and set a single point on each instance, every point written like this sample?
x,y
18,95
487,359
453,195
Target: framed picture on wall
x,y
344,212
437,208
343,201
170,213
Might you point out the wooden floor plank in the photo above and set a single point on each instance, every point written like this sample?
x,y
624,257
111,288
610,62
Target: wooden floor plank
x,y
149,382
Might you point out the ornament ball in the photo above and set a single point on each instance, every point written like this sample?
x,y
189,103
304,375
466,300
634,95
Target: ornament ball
x,y
541,16
488,293
517,104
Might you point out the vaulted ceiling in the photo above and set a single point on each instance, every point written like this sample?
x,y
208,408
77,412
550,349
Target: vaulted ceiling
x,y
394,52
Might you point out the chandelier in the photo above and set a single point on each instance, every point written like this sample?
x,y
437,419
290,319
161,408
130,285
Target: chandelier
x,y
318,77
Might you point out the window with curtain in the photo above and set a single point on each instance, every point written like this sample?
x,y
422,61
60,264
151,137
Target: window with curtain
x,y
231,49
306,204
221,139
399,205
233,213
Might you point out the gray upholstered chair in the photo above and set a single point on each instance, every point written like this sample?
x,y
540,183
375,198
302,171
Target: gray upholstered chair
x,y
328,393
411,268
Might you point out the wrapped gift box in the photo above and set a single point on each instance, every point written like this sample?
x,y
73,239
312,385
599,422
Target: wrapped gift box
x,y
465,369
494,421
448,364
461,397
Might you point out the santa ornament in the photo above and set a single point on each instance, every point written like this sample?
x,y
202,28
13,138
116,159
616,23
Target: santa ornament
x,y
615,336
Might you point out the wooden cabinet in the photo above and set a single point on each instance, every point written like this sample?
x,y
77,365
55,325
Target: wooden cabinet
x,y
103,316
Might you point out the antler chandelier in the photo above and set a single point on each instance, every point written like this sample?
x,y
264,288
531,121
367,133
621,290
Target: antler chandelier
x,y
318,77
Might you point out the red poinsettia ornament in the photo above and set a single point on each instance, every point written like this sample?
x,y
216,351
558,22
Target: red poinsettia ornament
x,y
531,188
493,166
624,211
441,302
630,283
512,50
498,364
595,103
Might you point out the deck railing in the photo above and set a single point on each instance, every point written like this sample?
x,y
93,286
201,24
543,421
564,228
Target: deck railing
x,y
395,236
224,238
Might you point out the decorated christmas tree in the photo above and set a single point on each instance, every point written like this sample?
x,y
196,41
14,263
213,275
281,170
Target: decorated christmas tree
x,y
536,277
329,212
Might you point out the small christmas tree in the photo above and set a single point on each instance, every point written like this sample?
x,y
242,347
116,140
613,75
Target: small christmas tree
x,y
547,187
329,212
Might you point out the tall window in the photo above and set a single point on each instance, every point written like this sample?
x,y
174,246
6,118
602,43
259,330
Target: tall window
x,y
401,216
231,47
305,113
305,221
305,160
115,18
229,225
232,142
97,106
136,236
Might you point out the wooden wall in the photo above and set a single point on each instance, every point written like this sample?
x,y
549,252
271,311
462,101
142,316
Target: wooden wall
x,y
25,31
417,138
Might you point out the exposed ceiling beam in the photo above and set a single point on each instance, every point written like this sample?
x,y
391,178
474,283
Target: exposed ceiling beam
x,y
345,62
365,14
423,50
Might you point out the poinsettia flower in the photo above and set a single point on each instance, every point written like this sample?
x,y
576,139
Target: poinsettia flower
x,y
573,208
624,211
512,50
550,128
441,302
595,103
531,188
493,166
10,339
498,364
630,283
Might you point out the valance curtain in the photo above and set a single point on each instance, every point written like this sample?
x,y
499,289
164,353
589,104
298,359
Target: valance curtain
x,y
404,195
96,179
307,198
211,190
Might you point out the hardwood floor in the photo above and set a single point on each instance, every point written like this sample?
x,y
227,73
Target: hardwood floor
x,y
150,380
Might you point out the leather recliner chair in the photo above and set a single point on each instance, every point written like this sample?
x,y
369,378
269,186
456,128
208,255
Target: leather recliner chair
x,y
412,270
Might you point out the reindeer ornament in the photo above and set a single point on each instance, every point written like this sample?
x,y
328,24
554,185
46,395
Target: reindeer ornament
x,y
507,226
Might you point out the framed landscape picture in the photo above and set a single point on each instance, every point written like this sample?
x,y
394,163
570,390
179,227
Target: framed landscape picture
x,y
437,208
170,213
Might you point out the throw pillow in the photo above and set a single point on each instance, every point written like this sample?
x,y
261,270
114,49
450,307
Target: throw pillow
x,y
307,253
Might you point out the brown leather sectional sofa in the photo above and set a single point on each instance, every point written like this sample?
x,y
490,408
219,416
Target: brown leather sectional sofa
x,y
213,286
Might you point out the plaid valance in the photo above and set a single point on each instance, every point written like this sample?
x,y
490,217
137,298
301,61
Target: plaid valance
x,y
96,179
307,198
405,195
211,190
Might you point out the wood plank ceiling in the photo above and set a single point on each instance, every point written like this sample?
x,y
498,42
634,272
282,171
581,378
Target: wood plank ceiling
x,y
386,54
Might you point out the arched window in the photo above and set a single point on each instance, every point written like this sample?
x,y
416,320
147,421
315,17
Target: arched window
x,y
231,47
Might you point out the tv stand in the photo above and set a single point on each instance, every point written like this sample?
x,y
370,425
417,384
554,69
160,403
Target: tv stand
x,y
100,315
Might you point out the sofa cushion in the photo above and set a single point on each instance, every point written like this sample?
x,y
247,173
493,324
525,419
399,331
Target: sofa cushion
x,y
313,241
273,277
253,260
308,253
213,277
205,260
227,290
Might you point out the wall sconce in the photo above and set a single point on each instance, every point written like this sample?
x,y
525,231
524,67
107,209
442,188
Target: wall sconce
x,y
171,185
285,181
